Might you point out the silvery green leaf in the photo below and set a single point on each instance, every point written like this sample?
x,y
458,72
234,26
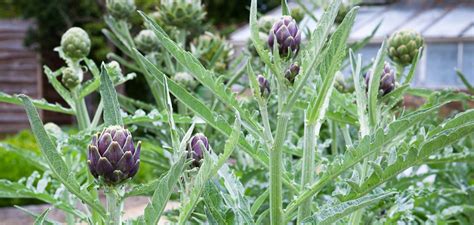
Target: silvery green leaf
x,y
40,220
55,161
163,190
112,114
39,103
332,213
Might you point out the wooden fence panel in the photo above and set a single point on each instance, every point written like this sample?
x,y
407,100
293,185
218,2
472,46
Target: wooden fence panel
x,y
19,73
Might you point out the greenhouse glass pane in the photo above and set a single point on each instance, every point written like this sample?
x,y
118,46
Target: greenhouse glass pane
x,y
440,63
468,61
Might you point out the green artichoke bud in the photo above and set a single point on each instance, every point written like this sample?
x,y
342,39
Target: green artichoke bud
x,y
210,48
292,72
196,150
265,23
147,41
112,156
264,86
403,46
70,78
121,9
387,80
183,14
114,70
297,13
185,79
75,43
342,12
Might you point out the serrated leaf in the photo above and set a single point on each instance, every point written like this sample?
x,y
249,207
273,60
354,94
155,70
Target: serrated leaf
x,y
204,76
374,84
316,44
163,191
414,157
55,161
200,180
333,213
332,61
112,115
367,146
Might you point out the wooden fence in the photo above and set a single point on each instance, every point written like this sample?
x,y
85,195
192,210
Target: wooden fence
x,y
20,72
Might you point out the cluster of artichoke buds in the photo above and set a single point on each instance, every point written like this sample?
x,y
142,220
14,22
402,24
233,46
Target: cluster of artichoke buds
x,y
147,41
183,14
264,86
196,150
112,156
387,80
292,72
287,35
185,79
121,9
403,46
75,43
213,48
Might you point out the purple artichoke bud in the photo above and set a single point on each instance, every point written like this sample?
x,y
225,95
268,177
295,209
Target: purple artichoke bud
x,y
113,156
264,86
196,152
387,79
287,35
292,72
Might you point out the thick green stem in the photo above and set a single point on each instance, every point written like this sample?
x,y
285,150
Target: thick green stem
x,y
307,171
82,115
276,171
114,206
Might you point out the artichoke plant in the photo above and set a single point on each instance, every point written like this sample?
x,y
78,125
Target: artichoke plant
x,y
121,9
213,50
182,14
387,79
185,79
297,13
403,46
147,41
113,158
287,35
75,43
196,152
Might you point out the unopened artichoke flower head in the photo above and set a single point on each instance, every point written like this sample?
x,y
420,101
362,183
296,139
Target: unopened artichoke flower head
x,y
403,46
113,157
196,150
387,79
287,35
75,43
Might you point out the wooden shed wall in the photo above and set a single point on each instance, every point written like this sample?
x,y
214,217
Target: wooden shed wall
x,y
19,73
